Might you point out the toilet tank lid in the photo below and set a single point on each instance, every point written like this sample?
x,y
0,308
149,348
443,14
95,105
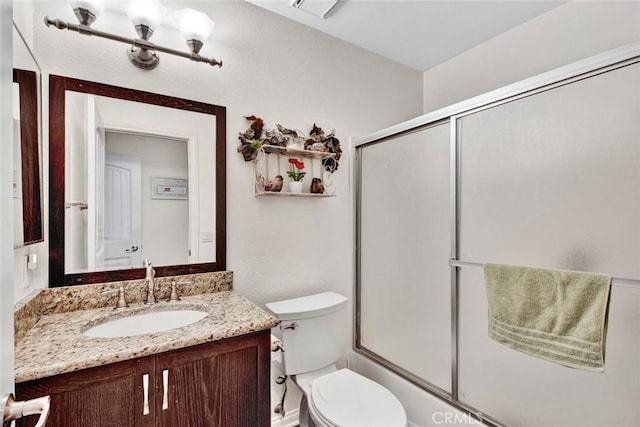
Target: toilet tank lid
x,y
308,306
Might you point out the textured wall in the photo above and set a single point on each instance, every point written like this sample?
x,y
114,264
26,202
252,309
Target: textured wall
x,y
561,36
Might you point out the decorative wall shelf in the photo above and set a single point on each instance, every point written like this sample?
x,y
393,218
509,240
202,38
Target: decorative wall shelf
x,y
297,152
288,194
273,160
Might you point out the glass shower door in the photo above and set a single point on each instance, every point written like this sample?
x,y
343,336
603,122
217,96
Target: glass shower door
x,y
553,181
404,280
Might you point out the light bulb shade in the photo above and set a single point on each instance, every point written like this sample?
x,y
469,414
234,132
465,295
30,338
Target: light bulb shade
x,y
146,13
195,27
87,11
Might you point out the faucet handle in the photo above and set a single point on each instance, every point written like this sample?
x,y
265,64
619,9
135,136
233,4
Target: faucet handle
x,y
122,302
174,293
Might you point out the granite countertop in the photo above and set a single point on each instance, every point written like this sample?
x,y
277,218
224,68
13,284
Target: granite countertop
x,y
56,345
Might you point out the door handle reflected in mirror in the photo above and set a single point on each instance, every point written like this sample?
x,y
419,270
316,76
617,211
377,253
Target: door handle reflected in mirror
x,y
133,248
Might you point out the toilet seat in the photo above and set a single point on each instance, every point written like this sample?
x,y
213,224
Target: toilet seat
x,y
347,399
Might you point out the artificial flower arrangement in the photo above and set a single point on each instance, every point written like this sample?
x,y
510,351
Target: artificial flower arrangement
x,y
295,171
256,135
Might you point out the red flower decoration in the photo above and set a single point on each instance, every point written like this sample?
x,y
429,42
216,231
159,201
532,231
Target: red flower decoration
x,y
298,164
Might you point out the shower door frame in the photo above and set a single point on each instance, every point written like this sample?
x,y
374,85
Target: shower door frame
x,y
590,67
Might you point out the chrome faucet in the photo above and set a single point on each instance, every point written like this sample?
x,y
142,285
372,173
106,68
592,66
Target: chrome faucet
x,y
151,273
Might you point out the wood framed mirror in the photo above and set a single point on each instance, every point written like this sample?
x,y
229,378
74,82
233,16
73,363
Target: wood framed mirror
x,y
27,147
27,184
159,192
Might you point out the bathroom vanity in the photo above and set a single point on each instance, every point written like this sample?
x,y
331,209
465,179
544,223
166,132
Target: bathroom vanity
x,y
224,383
214,372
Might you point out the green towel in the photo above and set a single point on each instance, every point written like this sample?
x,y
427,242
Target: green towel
x,y
556,315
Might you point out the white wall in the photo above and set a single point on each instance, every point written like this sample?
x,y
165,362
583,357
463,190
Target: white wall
x,y
6,201
24,279
23,18
561,36
165,223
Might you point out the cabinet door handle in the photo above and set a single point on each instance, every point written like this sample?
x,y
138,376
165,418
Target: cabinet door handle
x,y
12,410
145,386
165,389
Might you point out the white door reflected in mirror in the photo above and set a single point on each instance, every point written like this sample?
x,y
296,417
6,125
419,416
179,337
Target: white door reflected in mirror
x,y
122,208
116,156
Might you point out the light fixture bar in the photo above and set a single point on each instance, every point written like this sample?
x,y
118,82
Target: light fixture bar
x,y
144,44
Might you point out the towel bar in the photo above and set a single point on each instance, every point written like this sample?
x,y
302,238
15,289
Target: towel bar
x,y
615,281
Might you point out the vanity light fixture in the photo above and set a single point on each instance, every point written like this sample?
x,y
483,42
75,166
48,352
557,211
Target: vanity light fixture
x,y
145,16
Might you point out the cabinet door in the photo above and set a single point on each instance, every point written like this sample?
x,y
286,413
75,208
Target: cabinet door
x,y
106,396
222,384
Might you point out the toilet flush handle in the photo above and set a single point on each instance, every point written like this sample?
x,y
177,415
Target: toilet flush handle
x,y
290,326
276,346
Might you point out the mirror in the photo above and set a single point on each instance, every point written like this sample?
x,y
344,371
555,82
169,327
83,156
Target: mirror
x,y
133,175
27,196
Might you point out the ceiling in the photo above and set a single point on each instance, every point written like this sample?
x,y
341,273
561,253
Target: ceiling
x,y
418,34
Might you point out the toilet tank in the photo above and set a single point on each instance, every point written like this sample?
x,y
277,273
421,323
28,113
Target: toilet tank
x,y
313,330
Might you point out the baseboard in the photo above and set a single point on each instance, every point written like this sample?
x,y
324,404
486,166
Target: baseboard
x,y
289,420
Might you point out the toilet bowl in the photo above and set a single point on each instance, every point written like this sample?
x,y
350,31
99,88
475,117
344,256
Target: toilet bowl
x,y
313,330
347,399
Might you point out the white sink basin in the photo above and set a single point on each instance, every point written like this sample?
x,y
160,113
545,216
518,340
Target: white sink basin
x,y
145,323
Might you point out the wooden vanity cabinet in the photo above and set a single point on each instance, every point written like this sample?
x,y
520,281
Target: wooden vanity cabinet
x,y
109,396
219,384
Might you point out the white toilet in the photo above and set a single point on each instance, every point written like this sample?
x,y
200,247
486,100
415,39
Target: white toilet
x,y
312,330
